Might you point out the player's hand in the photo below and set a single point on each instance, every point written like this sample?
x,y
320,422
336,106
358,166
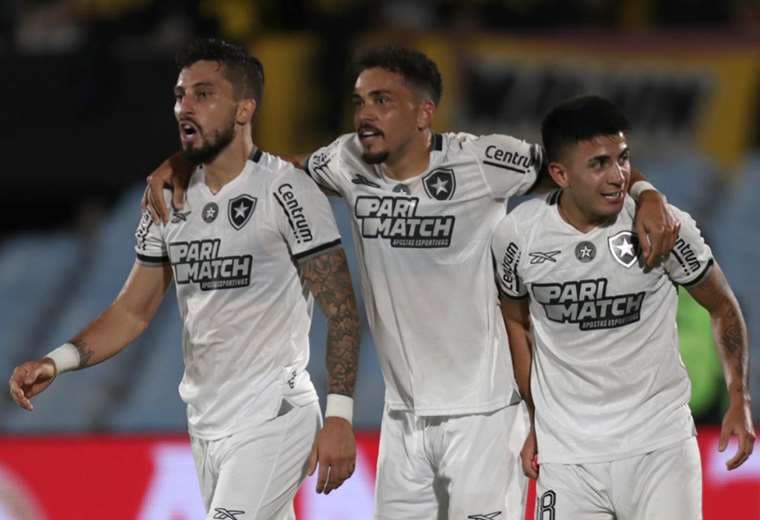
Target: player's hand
x,y
656,226
334,452
529,455
174,173
29,379
738,421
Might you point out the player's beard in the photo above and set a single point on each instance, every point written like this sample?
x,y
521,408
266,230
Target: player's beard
x,y
211,147
375,158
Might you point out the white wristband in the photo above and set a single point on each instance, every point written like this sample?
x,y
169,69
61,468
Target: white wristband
x,y
639,187
340,406
65,357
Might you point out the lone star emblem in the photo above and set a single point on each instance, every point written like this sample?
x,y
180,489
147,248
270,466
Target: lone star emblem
x,y
240,209
209,213
440,184
585,251
624,247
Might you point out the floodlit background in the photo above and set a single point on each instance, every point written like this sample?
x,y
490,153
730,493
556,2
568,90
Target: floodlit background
x,y
87,113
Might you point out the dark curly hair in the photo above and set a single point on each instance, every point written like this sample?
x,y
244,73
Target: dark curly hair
x,y
244,71
413,65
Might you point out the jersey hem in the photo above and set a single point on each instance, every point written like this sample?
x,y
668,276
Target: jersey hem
x,y
461,410
668,443
249,422
317,250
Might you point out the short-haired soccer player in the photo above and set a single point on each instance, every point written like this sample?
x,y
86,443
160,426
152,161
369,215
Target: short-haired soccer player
x,y
254,237
593,335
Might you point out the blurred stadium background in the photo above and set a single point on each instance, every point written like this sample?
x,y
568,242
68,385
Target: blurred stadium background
x,y
87,114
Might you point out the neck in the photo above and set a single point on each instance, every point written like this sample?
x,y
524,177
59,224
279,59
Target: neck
x,y
411,160
574,215
230,161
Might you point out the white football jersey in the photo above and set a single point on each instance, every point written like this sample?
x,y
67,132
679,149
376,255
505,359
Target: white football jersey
x,y
423,249
607,377
245,313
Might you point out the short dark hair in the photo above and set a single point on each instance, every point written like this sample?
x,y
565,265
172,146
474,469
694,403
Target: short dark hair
x,y
244,71
413,65
580,119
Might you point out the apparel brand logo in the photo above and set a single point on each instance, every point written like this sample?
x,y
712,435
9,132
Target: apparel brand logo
x,y
540,257
221,513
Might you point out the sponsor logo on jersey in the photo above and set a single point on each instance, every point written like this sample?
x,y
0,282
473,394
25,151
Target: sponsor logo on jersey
x,y
511,160
624,247
587,303
294,212
141,235
440,184
585,251
396,219
199,262
686,257
539,257
509,265
240,209
361,179
210,212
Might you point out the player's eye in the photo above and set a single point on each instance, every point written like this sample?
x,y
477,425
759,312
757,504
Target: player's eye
x,y
623,160
357,101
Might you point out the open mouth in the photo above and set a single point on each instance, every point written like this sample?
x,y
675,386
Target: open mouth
x,y
188,130
613,196
367,133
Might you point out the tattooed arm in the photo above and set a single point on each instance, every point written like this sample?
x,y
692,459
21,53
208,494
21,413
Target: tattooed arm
x,y
730,333
124,320
329,281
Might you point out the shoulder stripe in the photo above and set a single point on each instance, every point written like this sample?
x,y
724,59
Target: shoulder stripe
x,y
701,275
153,259
505,167
318,249
437,142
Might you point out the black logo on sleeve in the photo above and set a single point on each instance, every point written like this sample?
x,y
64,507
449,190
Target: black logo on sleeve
x,y
286,197
440,184
210,212
199,262
686,257
509,263
511,160
396,219
587,303
624,247
240,209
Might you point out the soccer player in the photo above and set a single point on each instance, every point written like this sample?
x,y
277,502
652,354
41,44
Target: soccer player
x,y
424,206
594,339
254,237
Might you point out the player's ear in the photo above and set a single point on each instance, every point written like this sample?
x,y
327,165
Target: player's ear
x,y
558,173
245,111
425,112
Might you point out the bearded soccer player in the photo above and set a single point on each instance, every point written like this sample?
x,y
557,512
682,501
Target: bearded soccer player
x,y
423,208
253,237
593,335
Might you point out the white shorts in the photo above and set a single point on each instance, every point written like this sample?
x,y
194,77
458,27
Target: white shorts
x,y
451,467
665,484
255,474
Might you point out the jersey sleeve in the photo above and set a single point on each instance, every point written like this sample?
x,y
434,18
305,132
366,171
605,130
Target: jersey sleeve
x,y
506,251
691,258
150,247
304,216
324,166
510,165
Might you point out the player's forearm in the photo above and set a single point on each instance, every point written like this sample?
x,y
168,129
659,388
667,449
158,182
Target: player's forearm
x,y
730,333
331,286
107,335
517,321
